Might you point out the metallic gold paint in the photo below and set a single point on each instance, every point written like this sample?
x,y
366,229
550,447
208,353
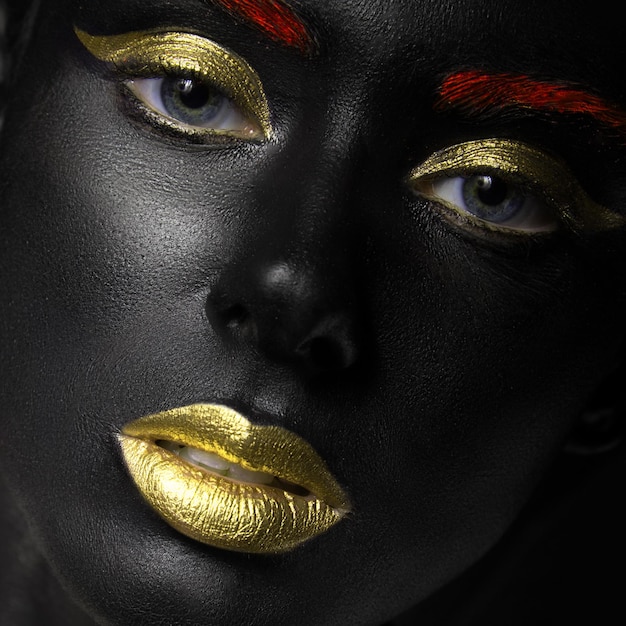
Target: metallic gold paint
x,y
222,512
522,164
147,53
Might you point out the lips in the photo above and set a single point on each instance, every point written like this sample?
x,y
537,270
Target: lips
x,y
221,480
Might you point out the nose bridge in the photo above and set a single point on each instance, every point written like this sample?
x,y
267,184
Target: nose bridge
x,y
309,186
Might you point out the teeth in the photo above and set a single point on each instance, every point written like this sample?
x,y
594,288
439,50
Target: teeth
x,y
205,459
217,464
248,476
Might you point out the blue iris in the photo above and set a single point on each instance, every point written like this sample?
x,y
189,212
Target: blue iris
x,y
192,102
491,199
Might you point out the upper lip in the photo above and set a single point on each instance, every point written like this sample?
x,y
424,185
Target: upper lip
x,y
224,431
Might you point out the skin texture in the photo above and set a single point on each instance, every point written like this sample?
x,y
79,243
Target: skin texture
x,y
446,366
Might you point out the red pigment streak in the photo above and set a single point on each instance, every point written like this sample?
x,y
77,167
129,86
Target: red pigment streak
x,y
275,19
478,92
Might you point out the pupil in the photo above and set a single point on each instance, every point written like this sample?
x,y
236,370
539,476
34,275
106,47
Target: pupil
x,y
192,94
491,191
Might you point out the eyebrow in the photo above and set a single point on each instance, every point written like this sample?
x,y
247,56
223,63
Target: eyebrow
x,y
274,18
475,92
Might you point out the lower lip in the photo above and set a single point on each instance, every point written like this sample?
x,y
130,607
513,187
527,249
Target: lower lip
x,y
220,512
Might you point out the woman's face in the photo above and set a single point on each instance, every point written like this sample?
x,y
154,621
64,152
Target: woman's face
x,y
404,246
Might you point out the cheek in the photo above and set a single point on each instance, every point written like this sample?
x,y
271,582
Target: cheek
x,y
485,361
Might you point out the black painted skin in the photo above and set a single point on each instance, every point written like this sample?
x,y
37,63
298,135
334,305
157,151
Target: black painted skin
x,y
450,366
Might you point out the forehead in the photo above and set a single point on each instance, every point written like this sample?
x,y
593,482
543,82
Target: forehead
x,y
572,40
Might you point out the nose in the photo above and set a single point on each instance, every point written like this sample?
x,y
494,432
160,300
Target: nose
x,y
288,312
289,289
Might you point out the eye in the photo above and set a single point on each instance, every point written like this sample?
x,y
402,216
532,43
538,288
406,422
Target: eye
x,y
193,104
491,199
186,83
507,186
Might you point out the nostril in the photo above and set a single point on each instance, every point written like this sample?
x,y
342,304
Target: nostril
x,y
235,315
326,354
234,322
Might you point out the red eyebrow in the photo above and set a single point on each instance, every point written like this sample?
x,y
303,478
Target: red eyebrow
x,y
275,19
476,92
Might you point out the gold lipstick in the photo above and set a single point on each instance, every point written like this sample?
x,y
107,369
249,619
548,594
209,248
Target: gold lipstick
x,y
296,499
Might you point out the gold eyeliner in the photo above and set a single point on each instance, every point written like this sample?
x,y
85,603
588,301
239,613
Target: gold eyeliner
x,y
144,53
522,164
222,512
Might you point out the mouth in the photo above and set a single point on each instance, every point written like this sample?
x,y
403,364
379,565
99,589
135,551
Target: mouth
x,y
219,479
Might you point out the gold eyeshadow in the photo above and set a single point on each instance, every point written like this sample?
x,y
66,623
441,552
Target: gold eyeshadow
x,y
154,54
517,163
